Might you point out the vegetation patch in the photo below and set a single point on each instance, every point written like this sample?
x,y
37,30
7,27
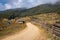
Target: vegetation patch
x,y
45,22
9,29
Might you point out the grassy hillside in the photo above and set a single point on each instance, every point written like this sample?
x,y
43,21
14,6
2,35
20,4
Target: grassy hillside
x,y
21,12
46,21
50,17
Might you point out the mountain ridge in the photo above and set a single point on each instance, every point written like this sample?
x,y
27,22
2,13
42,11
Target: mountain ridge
x,y
21,12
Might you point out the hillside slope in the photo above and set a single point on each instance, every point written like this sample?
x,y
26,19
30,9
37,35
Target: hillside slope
x,y
44,8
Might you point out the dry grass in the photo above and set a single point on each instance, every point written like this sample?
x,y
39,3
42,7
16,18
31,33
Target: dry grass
x,y
49,18
6,30
44,33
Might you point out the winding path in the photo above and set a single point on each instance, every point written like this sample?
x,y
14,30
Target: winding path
x,y
30,33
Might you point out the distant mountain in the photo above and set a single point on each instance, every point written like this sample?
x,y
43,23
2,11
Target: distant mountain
x,y
44,8
15,12
20,12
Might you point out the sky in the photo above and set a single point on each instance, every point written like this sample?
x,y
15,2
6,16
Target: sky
x,y
11,4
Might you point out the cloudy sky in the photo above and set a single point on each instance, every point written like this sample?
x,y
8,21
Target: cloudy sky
x,y
10,4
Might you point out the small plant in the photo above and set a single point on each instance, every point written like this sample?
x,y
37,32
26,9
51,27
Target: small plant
x,y
56,38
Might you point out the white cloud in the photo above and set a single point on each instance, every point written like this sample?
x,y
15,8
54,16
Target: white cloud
x,y
8,6
15,3
53,1
23,3
28,3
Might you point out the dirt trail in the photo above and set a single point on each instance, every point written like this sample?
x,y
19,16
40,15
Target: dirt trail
x,y
30,33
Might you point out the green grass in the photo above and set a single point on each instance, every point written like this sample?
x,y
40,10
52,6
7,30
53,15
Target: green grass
x,y
0,20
